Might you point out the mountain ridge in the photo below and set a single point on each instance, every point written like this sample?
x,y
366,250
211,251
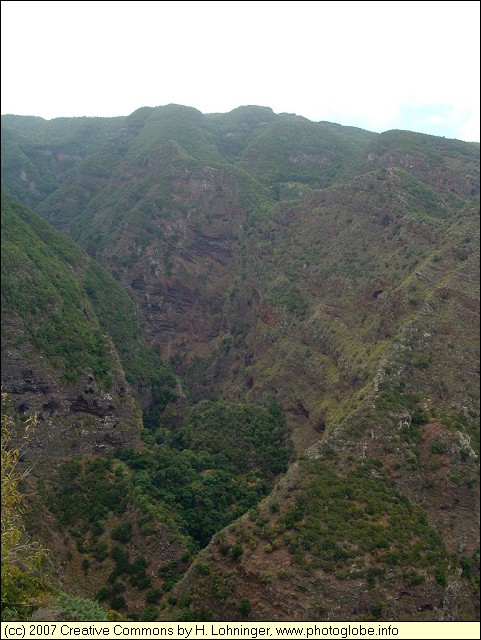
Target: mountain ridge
x,y
323,270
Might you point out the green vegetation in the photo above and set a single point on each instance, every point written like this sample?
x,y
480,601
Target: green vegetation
x,y
288,296
297,276
71,309
382,524
292,149
25,581
434,149
42,290
75,609
22,584
219,464
207,473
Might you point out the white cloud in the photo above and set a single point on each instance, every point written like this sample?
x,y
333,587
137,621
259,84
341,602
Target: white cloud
x,y
469,128
360,63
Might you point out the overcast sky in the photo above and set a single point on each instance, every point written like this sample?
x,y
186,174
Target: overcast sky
x,y
375,65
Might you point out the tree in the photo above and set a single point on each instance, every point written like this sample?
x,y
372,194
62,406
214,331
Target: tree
x,y
20,556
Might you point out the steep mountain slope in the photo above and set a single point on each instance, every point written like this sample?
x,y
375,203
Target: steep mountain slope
x,y
56,359
73,354
325,270
36,153
330,543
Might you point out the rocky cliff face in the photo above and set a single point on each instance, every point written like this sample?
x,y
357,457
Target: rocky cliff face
x,y
57,363
74,419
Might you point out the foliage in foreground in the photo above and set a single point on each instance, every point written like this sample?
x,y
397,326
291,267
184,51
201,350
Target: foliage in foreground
x,y
21,557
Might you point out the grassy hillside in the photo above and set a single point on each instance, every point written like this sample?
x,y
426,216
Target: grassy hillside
x,y
38,153
70,308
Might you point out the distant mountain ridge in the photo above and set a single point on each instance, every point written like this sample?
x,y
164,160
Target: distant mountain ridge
x,y
316,282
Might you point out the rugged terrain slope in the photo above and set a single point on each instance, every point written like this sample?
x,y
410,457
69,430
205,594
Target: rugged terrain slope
x,y
313,289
